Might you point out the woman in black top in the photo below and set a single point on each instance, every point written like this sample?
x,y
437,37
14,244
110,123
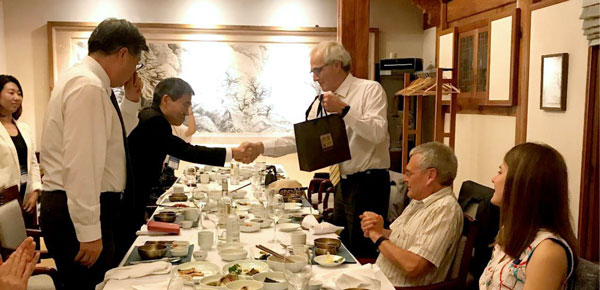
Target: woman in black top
x,y
18,164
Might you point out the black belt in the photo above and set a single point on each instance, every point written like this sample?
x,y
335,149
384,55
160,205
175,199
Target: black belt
x,y
365,173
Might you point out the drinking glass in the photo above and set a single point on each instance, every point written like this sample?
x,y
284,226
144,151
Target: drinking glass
x,y
275,210
202,198
297,266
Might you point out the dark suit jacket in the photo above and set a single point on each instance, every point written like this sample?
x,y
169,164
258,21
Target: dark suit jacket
x,y
149,144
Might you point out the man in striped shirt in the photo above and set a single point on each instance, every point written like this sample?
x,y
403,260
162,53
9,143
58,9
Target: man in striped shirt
x,y
420,245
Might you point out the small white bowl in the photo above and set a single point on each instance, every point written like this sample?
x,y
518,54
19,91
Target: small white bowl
x,y
233,254
179,251
250,284
200,255
229,245
186,224
264,223
277,265
214,194
277,276
239,194
249,227
181,244
284,220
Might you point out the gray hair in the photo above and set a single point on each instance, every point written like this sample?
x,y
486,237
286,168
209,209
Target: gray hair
x,y
175,88
334,51
439,156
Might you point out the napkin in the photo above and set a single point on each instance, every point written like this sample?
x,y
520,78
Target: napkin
x,y
365,276
325,228
310,222
152,286
140,270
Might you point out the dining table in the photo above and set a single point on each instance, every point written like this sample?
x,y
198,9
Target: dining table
x,y
208,222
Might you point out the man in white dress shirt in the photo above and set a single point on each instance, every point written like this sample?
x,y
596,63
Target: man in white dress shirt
x,y
363,182
420,245
84,153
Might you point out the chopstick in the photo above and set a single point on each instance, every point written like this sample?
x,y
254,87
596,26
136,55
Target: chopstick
x,y
277,255
239,188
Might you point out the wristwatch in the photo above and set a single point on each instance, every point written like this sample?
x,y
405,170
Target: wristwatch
x,y
345,111
379,241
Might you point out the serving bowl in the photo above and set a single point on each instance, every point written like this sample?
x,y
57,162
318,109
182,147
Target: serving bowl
x,y
233,254
275,281
325,243
152,251
167,217
177,197
229,245
245,284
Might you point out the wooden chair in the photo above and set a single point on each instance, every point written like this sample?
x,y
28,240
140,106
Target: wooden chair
x,y
13,232
460,266
9,194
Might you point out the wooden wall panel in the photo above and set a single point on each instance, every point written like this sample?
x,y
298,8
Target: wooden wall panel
x,y
458,9
353,33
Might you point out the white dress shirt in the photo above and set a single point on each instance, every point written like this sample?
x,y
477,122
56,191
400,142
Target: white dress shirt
x,y
429,228
82,148
366,126
10,170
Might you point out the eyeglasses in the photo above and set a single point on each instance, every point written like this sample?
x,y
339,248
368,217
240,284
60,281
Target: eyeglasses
x,y
317,70
139,66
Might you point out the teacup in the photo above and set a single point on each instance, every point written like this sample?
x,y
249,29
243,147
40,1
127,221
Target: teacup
x,y
205,240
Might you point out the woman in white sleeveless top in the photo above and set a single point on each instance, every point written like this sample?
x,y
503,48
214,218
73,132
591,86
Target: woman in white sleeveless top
x,y
535,248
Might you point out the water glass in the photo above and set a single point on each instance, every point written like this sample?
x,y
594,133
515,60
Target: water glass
x,y
298,266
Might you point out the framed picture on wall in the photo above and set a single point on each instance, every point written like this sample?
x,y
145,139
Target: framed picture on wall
x,y
553,96
249,81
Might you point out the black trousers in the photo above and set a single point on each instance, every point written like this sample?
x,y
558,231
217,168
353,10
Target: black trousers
x,y
364,191
62,243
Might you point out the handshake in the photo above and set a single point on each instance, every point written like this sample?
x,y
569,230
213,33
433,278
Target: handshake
x,y
247,151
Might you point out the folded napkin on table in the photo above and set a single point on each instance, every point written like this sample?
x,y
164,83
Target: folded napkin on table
x,y
365,276
310,222
136,271
152,286
140,270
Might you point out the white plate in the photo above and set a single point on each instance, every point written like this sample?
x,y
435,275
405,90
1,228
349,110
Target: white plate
x,y
249,227
288,227
247,265
329,260
206,268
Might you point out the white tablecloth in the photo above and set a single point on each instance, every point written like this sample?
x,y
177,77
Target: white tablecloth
x,y
249,239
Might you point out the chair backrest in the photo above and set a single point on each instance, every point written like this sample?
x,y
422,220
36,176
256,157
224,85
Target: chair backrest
x,y
475,199
462,258
314,185
8,194
586,276
12,226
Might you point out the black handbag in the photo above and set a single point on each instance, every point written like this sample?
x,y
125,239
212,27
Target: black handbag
x,y
321,142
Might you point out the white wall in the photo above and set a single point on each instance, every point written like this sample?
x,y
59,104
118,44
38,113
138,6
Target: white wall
x,y
429,40
561,130
2,46
27,44
481,143
400,25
